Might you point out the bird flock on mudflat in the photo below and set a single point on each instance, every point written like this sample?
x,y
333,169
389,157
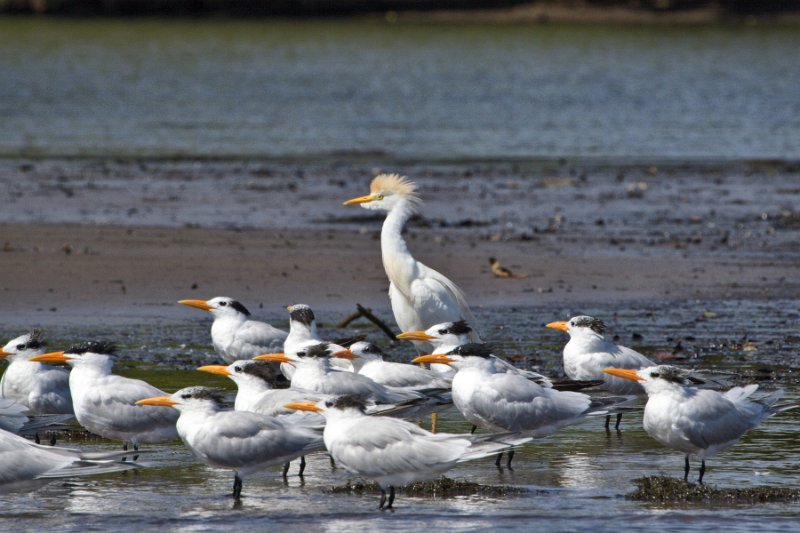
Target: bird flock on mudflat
x,y
299,394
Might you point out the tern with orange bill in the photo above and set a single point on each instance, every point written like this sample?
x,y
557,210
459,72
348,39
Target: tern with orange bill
x,y
104,402
588,353
697,422
420,296
241,441
233,333
392,451
41,388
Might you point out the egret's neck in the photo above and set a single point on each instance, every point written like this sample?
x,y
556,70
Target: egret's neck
x,y
397,260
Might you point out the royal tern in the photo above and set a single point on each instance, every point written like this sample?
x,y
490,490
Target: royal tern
x,y
233,334
698,422
42,388
254,381
313,372
370,363
241,441
104,402
587,353
22,462
303,334
420,295
392,451
491,397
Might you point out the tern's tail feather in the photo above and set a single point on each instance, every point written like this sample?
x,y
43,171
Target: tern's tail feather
x,y
484,445
40,422
89,468
610,404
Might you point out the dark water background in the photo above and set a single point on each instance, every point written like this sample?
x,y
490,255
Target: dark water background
x,y
211,88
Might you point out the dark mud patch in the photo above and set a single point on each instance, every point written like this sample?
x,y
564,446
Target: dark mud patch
x,y
443,487
662,489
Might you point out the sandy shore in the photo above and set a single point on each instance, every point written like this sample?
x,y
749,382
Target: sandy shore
x,y
653,236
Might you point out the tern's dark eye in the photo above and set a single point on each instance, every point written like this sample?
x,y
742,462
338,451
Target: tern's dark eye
x,y
223,304
20,346
186,396
301,354
237,368
329,403
655,375
442,332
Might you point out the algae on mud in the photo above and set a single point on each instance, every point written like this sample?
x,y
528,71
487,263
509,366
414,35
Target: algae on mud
x,y
444,487
664,489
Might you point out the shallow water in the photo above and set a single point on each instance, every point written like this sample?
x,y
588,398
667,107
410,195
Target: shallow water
x,y
299,90
576,479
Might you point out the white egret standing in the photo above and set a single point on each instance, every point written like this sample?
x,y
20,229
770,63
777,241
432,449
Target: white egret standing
x,y
699,422
420,295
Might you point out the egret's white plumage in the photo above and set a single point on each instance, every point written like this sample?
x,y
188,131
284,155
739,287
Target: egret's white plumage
x,y
698,422
104,402
41,388
242,441
22,462
233,334
370,363
587,353
420,295
389,450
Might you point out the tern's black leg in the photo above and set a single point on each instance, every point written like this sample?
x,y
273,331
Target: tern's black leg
x,y
383,500
686,470
36,439
472,431
302,465
333,463
510,458
125,449
608,421
53,439
391,497
702,471
135,449
619,419
237,486
499,458
285,469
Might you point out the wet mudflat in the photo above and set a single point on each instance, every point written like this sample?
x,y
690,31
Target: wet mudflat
x,y
580,478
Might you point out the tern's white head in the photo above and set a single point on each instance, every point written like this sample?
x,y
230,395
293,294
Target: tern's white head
x,y
366,351
248,373
581,327
351,405
24,347
91,354
388,191
444,334
302,322
655,379
190,399
220,307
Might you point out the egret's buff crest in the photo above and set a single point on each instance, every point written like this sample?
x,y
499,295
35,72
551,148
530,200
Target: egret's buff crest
x,y
395,184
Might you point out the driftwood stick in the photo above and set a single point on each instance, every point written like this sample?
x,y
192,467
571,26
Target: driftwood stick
x,y
375,320
349,318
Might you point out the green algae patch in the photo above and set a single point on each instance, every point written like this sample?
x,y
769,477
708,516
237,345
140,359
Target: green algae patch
x,y
663,489
443,487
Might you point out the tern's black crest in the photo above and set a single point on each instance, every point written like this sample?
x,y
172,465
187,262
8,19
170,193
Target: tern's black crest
x,y
204,393
347,402
101,347
595,324
264,370
318,350
239,307
459,327
473,349
672,374
302,313
35,340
